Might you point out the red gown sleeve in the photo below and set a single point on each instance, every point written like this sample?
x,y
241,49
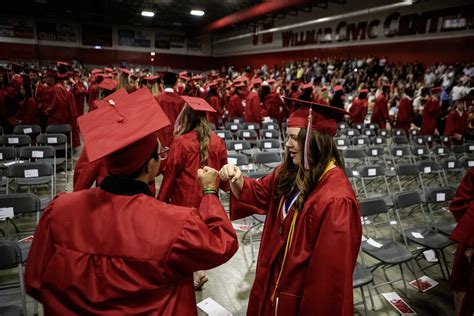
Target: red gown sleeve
x,y
86,173
41,251
174,167
333,266
206,240
462,208
450,125
255,197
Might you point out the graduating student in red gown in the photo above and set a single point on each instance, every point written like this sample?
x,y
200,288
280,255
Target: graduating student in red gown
x,y
214,100
405,114
380,109
312,230
28,111
235,107
359,107
431,111
273,104
79,91
172,104
195,147
462,276
116,250
456,123
253,108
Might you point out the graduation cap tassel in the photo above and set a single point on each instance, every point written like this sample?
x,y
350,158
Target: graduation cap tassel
x,y
121,117
177,123
307,139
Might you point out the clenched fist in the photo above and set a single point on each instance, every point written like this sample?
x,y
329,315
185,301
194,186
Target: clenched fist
x,y
230,173
207,177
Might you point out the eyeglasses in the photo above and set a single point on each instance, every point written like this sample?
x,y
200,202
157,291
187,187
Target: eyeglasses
x,y
163,154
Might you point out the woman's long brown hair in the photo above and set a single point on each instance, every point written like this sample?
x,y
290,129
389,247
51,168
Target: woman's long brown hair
x,y
322,151
197,121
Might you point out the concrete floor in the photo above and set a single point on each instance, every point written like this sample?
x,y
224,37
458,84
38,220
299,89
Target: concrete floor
x,y
230,284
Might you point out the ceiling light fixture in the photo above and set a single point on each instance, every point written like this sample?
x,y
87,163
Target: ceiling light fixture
x,y
197,12
152,53
149,14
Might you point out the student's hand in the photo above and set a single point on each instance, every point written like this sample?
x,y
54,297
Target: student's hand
x,y
230,173
207,177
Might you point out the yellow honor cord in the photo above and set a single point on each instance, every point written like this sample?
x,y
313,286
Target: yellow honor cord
x,y
289,239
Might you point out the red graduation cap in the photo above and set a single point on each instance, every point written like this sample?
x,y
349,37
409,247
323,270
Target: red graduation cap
x,y
212,85
196,77
314,116
435,90
255,82
151,78
387,85
117,95
308,85
124,132
96,71
338,88
184,75
295,83
108,84
271,81
107,69
198,104
125,71
364,91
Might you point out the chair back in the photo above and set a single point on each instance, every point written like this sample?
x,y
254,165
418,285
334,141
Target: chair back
x,y
371,207
406,199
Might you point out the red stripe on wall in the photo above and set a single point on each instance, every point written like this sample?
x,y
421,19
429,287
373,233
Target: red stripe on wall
x,y
428,52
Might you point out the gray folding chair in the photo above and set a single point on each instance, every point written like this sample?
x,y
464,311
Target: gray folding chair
x,y
342,142
15,140
33,174
387,251
11,257
354,157
40,153
360,278
373,177
249,135
270,125
7,157
425,235
252,126
237,145
438,200
59,142
233,127
239,120
65,129
268,160
452,166
342,126
360,141
27,130
410,173
269,134
19,204
224,134
270,145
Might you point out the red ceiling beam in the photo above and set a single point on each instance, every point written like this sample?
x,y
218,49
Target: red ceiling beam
x,y
268,6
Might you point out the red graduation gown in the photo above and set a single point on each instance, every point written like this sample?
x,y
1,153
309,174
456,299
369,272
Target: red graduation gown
x,y
430,115
57,110
272,105
172,104
79,91
455,123
215,102
28,112
317,278
380,111
235,107
180,186
405,114
462,207
253,110
100,253
358,110
94,91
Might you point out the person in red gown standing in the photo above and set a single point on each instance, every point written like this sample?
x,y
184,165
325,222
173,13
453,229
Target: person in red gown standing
x,y
117,250
194,147
312,231
359,107
28,113
172,104
214,100
462,276
456,123
273,104
405,114
235,108
380,109
253,109
79,91
431,111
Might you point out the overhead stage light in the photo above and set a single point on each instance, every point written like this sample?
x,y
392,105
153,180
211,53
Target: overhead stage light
x,y
197,12
149,14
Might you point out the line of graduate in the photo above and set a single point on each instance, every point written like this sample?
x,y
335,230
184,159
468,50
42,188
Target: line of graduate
x,y
116,249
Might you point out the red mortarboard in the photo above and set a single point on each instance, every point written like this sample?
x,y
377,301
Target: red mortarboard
x,y
214,76
364,91
255,82
151,78
198,104
51,72
61,75
387,85
338,88
96,71
212,85
107,69
435,90
184,75
125,71
271,81
196,77
294,83
308,85
323,116
125,132
108,84
314,116
117,95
